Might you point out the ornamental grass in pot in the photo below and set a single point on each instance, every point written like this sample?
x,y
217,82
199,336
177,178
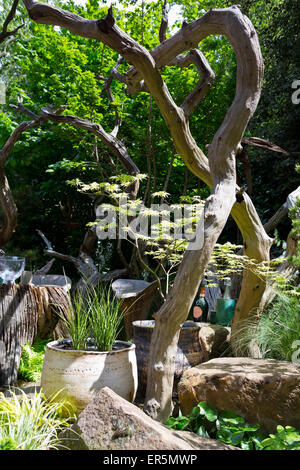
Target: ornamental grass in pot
x,y
91,357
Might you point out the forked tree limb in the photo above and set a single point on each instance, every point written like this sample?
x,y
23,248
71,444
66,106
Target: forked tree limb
x,y
83,263
196,57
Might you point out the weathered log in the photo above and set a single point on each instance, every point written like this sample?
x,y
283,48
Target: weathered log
x,y
25,310
137,297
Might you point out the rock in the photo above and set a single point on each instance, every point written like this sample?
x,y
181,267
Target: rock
x,y
263,391
111,423
215,340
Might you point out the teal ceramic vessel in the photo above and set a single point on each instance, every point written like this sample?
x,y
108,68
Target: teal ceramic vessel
x,y
225,311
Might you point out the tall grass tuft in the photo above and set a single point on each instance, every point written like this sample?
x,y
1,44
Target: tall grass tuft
x,y
30,423
277,331
94,315
77,322
105,317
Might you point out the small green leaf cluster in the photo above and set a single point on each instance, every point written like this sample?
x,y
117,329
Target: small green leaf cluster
x,y
32,360
8,444
286,438
229,427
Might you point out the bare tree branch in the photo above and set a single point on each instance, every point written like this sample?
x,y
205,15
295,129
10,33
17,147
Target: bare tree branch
x,y
164,22
283,210
263,143
4,33
196,57
20,108
45,269
114,74
4,50
83,263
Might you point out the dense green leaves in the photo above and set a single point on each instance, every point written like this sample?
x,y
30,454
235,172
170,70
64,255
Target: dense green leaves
x,y
231,428
49,65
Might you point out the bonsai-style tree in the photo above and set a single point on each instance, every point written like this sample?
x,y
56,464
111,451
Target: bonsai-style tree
x,y
217,170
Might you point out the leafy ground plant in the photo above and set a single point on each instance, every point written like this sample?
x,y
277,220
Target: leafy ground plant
x,y
232,429
32,358
30,423
286,438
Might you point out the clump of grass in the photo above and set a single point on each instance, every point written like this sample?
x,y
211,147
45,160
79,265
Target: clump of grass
x,y
76,322
277,331
105,318
30,423
32,358
94,315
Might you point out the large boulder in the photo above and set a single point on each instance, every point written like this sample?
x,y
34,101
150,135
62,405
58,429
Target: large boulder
x,y
263,391
109,422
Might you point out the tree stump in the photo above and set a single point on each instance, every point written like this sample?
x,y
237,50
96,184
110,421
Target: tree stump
x,y
137,297
25,310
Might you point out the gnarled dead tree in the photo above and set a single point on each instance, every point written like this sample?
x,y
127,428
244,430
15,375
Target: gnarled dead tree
x,y
218,170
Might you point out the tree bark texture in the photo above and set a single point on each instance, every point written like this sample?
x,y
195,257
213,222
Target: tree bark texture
x,y
25,310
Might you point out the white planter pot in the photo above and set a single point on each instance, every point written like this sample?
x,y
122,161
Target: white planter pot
x,y
77,375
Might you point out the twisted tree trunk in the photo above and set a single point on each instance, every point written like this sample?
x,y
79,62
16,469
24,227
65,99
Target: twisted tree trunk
x,y
218,171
